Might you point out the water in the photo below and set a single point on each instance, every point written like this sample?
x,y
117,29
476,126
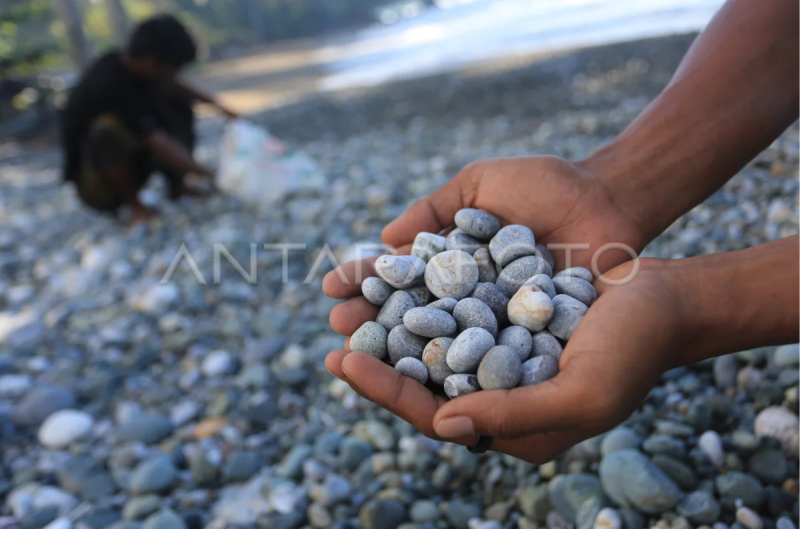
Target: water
x,y
480,31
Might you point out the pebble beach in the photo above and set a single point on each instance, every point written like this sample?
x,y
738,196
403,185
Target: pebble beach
x,y
128,401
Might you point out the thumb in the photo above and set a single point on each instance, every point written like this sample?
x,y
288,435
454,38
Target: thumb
x,y
431,213
510,414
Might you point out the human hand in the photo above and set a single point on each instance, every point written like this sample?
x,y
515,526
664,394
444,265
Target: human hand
x,y
624,343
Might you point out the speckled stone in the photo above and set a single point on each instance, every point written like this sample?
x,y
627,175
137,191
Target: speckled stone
x,y
445,304
578,288
391,314
370,338
376,291
538,369
473,313
459,385
400,271
435,359
413,368
458,240
518,338
530,308
517,273
511,243
500,368
544,282
452,274
487,271
429,322
466,352
577,272
421,295
401,343
491,295
426,245
567,315
477,223
546,254
544,343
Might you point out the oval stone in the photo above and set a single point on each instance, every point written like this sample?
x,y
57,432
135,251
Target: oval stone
x,y
546,254
517,273
544,343
473,313
421,295
435,359
467,350
577,272
500,368
477,223
400,271
511,243
413,368
530,308
487,271
567,315
578,288
445,304
544,282
496,299
391,314
517,338
429,322
370,338
376,290
538,369
458,240
401,343
452,274
426,245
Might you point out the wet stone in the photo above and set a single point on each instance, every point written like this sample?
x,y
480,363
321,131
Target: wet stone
x,y
458,385
538,369
413,368
431,323
376,290
500,368
519,339
370,338
467,350
434,357
402,343
473,313
511,243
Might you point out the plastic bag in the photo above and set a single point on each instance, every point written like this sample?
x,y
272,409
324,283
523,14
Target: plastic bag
x,y
261,169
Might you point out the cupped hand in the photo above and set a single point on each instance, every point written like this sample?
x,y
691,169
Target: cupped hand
x,y
622,346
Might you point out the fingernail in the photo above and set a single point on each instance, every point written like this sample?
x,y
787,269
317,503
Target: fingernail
x,y
457,426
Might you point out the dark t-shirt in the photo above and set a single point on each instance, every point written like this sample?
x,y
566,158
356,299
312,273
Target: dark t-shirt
x,y
107,86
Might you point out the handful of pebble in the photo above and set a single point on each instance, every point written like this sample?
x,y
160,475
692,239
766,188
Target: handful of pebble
x,y
470,316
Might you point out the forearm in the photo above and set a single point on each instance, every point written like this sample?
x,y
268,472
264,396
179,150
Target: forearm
x,y
739,300
192,93
734,93
174,154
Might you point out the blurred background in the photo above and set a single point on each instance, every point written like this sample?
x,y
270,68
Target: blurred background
x,y
126,402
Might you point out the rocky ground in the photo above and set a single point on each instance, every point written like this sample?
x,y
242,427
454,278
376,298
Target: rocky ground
x,y
129,403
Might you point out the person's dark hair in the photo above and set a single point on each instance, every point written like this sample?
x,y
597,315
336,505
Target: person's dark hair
x,y
164,38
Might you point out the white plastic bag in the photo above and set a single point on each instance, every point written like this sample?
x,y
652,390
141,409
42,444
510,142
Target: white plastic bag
x,y
261,169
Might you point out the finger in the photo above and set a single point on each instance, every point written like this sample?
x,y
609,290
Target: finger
x,y
333,364
348,316
395,392
511,414
434,212
345,281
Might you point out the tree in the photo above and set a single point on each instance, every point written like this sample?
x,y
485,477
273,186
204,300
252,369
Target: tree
x,y
70,14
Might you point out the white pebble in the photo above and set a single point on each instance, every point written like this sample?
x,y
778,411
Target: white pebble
x,y
452,274
608,518
218,363
426,245
530,308
400,271
711,445
748,518
64,427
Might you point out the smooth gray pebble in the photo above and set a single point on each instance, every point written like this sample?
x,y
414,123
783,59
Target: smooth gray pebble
x,y
491,295
500,368
400,271
452,274
445,304
370,338
426,245
544,343
578,288
546,254
402,343
538,369
517,273
458,240
435,359
477,223
429,322
376,290
519,339
577,272
474,313
421,295
567,315
511,243
544,282
391,314
467,350
413,368
487,271
459,385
